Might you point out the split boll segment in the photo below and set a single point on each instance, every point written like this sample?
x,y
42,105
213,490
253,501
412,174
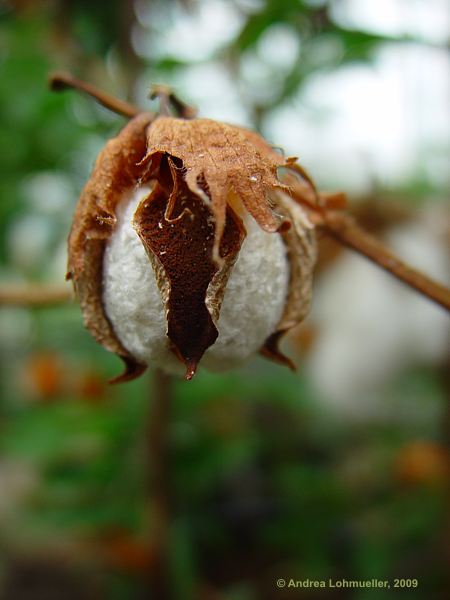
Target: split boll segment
x,y
187,246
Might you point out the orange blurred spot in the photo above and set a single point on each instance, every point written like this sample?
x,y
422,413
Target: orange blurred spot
x,y
122,551
91,386
45,375
422,463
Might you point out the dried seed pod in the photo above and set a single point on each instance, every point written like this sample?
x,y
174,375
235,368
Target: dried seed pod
x,y
186,246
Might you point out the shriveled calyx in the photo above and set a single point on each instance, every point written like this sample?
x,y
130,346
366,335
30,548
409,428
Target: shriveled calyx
x,y
202,178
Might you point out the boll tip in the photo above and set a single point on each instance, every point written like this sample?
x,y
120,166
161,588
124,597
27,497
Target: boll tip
x,y
191,368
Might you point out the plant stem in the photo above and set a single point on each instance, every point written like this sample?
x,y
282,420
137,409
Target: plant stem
x,y
168,98
346,231
35,295
63,81
159,482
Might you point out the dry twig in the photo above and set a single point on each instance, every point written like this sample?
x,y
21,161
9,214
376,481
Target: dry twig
x,y
343,228
159,484
62,81
35,295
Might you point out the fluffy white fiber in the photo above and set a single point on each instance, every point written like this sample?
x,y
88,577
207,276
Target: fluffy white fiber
x,y
252,307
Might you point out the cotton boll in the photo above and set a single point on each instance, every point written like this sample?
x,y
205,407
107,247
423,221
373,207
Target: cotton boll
x,y
212,176
253,304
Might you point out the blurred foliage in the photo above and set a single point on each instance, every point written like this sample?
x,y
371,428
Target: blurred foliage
x,y
314,27
264,485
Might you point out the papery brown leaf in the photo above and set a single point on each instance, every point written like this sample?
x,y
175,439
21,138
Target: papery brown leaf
x,y
115,171
301,245
291,173
177,231
227,159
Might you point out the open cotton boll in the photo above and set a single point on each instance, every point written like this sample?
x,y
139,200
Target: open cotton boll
x,y
215,232
253,303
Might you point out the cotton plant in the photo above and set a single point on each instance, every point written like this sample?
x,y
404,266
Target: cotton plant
x,y
186,245
195,241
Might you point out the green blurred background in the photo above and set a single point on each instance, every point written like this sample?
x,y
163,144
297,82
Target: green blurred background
x,y
338,471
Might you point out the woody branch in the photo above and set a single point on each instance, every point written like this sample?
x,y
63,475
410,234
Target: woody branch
x,y
35,295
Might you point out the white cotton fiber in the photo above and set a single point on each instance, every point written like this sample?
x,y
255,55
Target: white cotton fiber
x,y
252,307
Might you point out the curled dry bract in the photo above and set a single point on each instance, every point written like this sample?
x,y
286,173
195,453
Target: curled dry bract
x,y
202,175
